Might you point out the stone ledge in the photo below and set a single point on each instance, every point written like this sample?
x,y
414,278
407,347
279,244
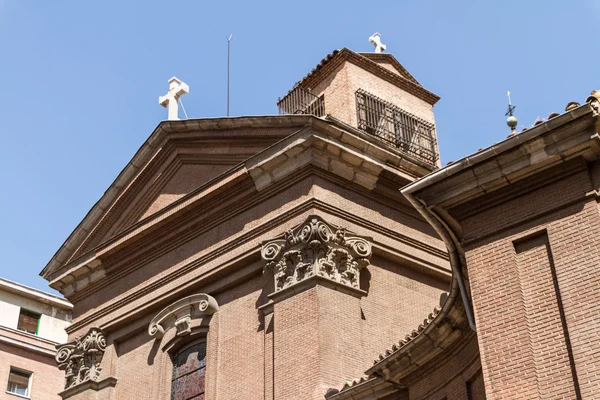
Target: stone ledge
x,y
309,283
88,385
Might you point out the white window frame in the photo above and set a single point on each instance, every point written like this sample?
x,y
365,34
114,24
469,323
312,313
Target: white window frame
x,y
24,371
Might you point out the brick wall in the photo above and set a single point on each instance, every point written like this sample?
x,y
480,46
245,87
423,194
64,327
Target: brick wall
x,y
313,340
47,380
341,85
532,261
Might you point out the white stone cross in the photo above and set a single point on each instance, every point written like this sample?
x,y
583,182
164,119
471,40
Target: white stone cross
x,y
169,100
376,40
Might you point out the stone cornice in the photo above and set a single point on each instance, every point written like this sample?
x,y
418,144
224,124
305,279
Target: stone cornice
x,y
305,284
403,164
338,152
35,294
25,341
550,177
79,276
572,134
367,388
334,147
313,148
134,233
394,160
88,385
248,236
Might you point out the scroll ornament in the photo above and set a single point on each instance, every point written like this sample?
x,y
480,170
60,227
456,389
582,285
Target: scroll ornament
x,y
81,358
180,314
316,248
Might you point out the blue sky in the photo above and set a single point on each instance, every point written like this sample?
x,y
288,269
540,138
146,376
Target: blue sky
x,y
80,80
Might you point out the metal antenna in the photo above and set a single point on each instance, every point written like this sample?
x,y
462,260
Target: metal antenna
x,y
228,57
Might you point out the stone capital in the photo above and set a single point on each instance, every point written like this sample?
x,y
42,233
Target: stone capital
x,y
81,358
316,248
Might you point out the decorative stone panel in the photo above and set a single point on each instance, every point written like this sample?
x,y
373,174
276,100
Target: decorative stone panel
x,y
316,249
80,359
180,314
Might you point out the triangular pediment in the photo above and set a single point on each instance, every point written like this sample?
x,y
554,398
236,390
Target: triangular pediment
x,y
184,170
390,63
382,65
178,158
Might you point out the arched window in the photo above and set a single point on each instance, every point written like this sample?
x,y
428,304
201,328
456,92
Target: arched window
x,y
189,365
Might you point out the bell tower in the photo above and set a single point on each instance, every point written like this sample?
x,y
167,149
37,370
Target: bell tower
x,y
373,93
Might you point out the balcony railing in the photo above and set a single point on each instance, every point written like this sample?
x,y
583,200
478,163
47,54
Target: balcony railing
x,y
396,127
302,101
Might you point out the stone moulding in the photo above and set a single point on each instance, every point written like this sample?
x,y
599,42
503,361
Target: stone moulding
x,y
109,382
316,249
180,314
80,359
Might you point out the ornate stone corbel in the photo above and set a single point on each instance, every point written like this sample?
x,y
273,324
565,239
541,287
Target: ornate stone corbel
x,y
316,248
80,359
180,314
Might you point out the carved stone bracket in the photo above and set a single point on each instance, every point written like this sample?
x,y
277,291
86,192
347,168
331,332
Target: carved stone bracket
x,y
80,359
180,314
316,249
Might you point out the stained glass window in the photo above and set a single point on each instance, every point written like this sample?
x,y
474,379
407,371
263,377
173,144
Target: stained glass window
x,y
189,365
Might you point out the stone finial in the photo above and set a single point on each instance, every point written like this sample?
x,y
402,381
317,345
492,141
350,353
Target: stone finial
x,y
375,39
316,248
177,88
80,359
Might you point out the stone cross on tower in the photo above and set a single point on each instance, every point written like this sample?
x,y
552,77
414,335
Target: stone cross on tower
x,y
376,40
169,100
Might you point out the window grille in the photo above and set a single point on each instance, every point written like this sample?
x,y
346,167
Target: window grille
x,y
397,127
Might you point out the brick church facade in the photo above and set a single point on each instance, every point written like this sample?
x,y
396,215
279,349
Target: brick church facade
x,y
275,257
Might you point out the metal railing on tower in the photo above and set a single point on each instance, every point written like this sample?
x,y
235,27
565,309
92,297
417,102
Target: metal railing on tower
x,y
397,127
302,101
